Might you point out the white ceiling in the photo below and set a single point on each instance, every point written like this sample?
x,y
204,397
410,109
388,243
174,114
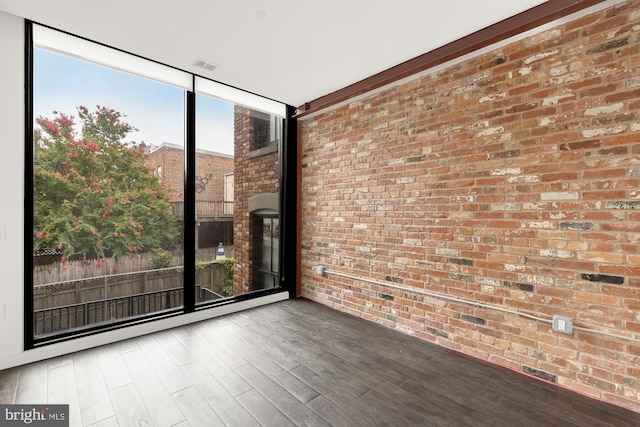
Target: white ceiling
x,y
293,51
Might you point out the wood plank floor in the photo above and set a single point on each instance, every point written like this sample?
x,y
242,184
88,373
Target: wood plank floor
x,y
294,363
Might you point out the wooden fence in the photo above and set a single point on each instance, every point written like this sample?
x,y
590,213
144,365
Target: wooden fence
x,y
78,270
122,285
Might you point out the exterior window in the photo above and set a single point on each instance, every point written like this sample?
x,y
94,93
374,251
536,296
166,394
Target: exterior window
x,y
228,194
265,231
266,130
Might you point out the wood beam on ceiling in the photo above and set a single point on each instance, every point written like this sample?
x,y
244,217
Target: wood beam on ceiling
x,y
517,24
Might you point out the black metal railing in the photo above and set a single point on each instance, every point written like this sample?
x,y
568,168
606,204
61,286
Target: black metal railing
x,y
76,316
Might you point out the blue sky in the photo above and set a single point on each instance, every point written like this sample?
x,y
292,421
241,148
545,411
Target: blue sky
x,y
62,84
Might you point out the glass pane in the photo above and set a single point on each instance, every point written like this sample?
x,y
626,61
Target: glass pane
x,y
265,252
107,224
214,199
236,174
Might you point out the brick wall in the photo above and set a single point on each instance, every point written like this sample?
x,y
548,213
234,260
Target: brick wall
x,y
253,175
170,160
511,179
210,171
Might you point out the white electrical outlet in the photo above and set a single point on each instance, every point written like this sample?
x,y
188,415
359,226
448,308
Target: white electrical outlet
x,y
3,232
562,324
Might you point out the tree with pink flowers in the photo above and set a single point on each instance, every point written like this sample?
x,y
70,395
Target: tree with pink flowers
x,y
94,198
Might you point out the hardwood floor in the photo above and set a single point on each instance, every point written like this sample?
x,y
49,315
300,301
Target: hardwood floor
x,y
290,364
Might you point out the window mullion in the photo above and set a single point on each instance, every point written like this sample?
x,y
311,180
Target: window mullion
x,y
189,240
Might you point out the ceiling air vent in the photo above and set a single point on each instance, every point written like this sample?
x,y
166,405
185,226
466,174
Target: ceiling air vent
x,y
205,65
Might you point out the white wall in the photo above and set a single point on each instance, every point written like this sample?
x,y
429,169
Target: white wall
x,y
11,184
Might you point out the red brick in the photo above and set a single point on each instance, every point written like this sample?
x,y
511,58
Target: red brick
x,y
602,26
598,90
605,173
622,96
586,83
604,195
582,22
561,176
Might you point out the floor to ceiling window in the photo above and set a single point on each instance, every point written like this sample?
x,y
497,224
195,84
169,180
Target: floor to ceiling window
x,y
117,184
228,125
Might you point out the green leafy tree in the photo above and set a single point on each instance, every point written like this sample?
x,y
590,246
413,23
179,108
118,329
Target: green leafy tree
x,y
94,197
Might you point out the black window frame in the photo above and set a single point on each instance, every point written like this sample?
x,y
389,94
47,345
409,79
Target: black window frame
x,y
288,203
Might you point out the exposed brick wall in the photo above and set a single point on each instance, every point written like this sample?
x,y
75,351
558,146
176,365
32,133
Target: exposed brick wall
x,y
210,171
512,179
253,176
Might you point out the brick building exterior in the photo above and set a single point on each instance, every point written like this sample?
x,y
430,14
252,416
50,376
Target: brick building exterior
x,y
167,163
511,179
257,179
214,171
